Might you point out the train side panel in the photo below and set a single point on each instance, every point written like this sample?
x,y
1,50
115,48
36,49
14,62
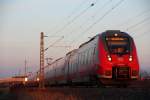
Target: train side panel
x,y
82,65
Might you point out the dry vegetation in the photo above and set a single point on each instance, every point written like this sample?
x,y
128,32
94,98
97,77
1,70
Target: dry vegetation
x,y
82,94
67,93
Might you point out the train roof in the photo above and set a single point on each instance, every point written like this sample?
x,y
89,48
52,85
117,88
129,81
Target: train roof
x,y
53,62
72,51
56,60
88,41
59,59
107,33
113,32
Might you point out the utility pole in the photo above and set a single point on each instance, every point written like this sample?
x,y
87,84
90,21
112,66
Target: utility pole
x,y
19,73
41,85
25,67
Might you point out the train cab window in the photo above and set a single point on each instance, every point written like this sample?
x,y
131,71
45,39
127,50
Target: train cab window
x,y
118,45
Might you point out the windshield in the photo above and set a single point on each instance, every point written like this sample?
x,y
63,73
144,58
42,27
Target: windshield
x,y
118,45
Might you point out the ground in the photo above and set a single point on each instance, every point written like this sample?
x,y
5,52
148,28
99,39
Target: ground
x,y
76,94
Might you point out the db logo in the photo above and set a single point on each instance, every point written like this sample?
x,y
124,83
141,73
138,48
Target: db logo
x,y
120,59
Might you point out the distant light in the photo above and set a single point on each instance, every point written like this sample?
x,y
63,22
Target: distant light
x,y
116,34
26,79
37,79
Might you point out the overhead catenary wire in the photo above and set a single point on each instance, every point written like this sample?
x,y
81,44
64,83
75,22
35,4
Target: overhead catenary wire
x,y
77,8
54,43
77,16
70,15
70,22
73,12
101,8
142,35
134,25
139,27
133,18
102,17
97,21
94,15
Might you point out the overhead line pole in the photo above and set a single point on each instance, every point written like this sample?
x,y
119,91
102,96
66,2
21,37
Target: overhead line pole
x,y
42,50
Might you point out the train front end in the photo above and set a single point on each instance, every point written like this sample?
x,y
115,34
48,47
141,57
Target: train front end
x,y
118,61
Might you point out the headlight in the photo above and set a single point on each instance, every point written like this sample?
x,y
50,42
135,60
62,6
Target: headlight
x,y
130,58
109,58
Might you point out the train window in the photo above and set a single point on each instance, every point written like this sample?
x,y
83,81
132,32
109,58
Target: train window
x,y
78,63
94,50
92,55
79,59
71,67
84,58
118,45
87,57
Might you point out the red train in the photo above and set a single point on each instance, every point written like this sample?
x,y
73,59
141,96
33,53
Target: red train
x,y
107,58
